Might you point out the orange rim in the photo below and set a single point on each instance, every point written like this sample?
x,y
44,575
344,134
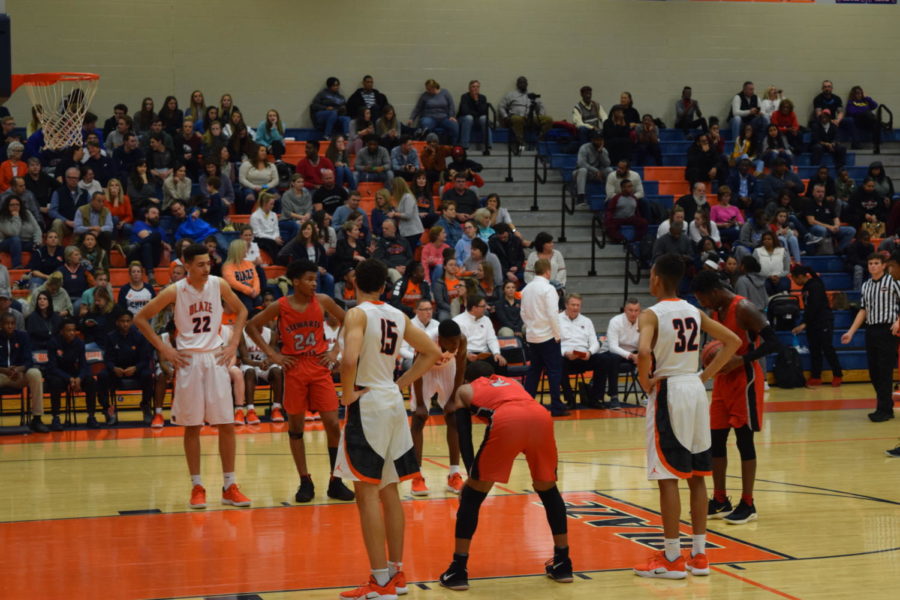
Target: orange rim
x,y
49,78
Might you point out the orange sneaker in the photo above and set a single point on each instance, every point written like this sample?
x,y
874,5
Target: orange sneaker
x,y
399,581
836,381
252,418
198,497
454,483
813,382
698,565
234,497
158,421
371,591
276,415
418,486
659,567
239,417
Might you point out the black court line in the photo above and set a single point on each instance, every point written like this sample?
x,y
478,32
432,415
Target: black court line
x,y
738,567
146,511
581,576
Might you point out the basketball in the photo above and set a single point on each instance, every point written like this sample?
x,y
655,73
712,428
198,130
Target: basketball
x,y
710,351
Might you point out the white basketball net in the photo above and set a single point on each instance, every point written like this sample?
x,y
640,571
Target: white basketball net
x,y
60,107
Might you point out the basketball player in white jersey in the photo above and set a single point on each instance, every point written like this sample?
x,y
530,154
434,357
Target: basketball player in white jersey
x,y
376,450
256,367
678,437
202,386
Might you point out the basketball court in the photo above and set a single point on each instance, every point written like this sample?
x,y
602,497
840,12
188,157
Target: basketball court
x,y
104,514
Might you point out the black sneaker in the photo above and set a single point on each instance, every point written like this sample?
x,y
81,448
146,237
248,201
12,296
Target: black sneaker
x,y
56,424
559,569
614,404
338,491
880,417
110,415
455,578
37,425
718,510
92,422
895,453
306,491
744,513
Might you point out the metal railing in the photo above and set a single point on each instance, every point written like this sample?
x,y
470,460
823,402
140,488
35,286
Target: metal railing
x,y
598,240
880,124
632,268
544,161
566,206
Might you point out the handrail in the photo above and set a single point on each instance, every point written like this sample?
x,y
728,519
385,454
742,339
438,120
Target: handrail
x,y
542,179
879,124
597,241
631,259
491,124
565,207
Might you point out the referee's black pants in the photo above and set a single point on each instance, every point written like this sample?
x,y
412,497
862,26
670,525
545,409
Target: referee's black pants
x,y
821,342
881,352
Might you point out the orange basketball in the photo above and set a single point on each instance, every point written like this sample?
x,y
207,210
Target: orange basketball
x,y
710,351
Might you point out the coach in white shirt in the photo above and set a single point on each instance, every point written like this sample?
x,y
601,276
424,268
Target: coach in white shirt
x,y
422,320
580,351
540,313
479,331
622,338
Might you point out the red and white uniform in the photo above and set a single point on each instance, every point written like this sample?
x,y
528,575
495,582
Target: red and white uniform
x,y
737,397
308,384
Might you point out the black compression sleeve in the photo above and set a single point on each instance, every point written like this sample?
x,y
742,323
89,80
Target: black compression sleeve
x,y
770,345
464,430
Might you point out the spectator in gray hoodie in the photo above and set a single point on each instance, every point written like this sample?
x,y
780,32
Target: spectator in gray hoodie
x,y
374,163
434,109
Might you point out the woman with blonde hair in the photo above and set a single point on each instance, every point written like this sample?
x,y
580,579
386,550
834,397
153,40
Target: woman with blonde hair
x,y
406,211
119,206
197,106
270,134
482,218
241,274
768,104
226,107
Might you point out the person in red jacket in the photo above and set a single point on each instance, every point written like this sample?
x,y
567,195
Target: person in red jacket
x,y
786,120
312,165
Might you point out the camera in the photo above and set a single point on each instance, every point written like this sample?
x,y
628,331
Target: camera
x,y
533,96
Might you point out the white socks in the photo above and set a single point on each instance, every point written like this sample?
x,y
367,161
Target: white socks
x,y
394,568
699,544
454,469
196,480
229,480
381,576
250,406
276,405
673,549
158,411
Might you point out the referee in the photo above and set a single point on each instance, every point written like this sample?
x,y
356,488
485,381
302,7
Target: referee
x,y
880,311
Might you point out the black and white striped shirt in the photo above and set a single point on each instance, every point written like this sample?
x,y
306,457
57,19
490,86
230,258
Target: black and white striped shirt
x,y
881,299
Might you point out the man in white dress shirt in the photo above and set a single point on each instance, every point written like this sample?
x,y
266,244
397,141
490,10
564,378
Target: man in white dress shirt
x,y
482,342
622,339
424,321
540,313
580,352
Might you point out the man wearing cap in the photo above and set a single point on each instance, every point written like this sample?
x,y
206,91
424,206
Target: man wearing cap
x,y
17,368
824,141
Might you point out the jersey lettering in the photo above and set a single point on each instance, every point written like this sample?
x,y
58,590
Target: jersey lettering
x,y
684,328
389,337
201,324
302,344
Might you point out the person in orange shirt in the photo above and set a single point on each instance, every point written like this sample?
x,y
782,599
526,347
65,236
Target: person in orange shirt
x,y
411,289
119,206
241,275
13,166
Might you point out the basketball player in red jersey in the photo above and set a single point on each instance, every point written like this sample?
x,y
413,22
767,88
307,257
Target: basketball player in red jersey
x,y
516,424
737,398
307,364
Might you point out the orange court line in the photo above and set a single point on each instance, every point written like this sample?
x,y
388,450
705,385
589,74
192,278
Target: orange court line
x,y
751,582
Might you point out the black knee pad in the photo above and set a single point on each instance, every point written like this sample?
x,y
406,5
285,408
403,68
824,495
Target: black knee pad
x,y
295,435
555,509
719,437
745,443
470,501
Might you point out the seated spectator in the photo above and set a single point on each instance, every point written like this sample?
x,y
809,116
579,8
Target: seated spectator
x,y
424,198
373,163
508,312
149,240
509,251
337,155
473,106
305,245
434,159
461,163
708,252
703,228
745,109
211,204
351,249
127,156
97,219
433,251
270,134
592,164
622,340
751,234
704,162
68,371
716,141
76,276
465,199
436,109
141,190
771,99
484,284
622,173
19,371
448,289
6,307
824,141
115,136
410,289
264,222
694,201
313,167
18,230
329,196
785,119
12,166
387,127
857,258
544,248
344,212
394,251
825,179
751,284
648,142
45,260
360,127
95,320
405,159
478,255
41,185
788,236
101,280
617,134
160,160
92,255
822,221
177,186
687,113
234,128
257,175
866,209
170,115
43,322
189,148
450,223
884,186
241,276
296,207
520,109
380,211
780,178
119,206
746,148
482,219
99,164
481,341
18,188
676,215
774,262
88,183
327,235
674,242
624,209
345,289
424,321
501,215
861,109
775,146
53,285
728,218
588,116
464,245
214,141
367,96
135,295
329,108
580,351
66,199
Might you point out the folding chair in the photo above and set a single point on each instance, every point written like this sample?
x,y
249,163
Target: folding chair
x,y
513,350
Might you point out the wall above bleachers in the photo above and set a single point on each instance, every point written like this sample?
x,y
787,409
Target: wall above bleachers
x,y
277,53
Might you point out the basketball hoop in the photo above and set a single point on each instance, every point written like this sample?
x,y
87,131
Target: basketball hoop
x,y
60,101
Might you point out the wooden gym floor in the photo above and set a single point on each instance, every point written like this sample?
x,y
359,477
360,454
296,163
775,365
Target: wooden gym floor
x,y
103,514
